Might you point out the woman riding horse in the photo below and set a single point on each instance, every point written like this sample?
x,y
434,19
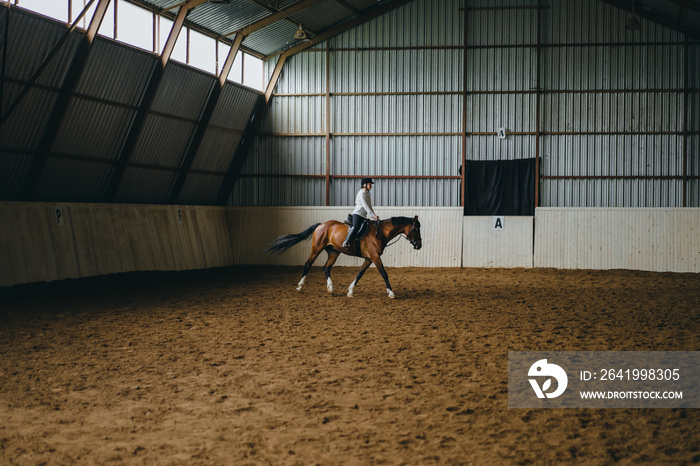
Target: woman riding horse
x,y
363,210
329,236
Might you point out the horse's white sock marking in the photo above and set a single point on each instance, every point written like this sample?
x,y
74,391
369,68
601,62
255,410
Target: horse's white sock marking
x,y
391,293
301,283
329,285
352,286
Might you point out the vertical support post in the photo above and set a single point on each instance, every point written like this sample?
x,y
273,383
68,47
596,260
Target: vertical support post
x,y
251,131
230,58
328,127
537,105
686,101
146,101
5,41
275,76
203,124
464,114
174,34
75,71
47,60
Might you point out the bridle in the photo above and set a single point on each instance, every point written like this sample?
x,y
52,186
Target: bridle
x,y
413,241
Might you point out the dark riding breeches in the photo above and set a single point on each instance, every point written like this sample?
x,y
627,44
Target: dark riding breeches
x,y
357,221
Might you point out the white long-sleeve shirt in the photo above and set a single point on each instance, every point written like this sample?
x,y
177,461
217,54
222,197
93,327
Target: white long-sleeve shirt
x,y
363,204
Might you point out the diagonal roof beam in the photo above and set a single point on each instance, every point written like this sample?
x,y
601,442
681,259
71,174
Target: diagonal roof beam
x,y
151,89
58,113
353,23
187,4
687,4
285,17
656,17
348,6
58,46
261,107
203,124
273,18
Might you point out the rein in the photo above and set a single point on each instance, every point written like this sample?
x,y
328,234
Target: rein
x,y
381,235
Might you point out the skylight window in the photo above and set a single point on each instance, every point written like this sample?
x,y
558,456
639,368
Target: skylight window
x,y
202,52
56,9
253,72
134,25
130,23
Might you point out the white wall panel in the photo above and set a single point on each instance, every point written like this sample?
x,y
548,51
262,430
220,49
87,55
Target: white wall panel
x,y
662,240
98,239
485,247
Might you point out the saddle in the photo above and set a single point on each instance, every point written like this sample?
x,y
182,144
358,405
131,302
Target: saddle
x,y
361,232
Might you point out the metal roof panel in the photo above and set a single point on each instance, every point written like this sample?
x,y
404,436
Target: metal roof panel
x,y
162,142
71,180
38,36
201,189
116,72
182,92
92,129
13,173
145,186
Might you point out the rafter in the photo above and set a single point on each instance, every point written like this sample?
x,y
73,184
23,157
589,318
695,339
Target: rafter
x,y
324,36
97,19
348,6
146,101
275,17
687,4
286,17
203,123
256,118
58,113
656,17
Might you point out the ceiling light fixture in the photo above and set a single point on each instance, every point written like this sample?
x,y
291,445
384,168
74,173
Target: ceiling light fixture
x,y
301,34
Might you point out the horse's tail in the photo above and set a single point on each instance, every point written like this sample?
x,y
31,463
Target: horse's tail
x,y
285,242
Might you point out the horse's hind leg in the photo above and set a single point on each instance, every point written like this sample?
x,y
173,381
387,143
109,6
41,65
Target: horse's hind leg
x,y
364,268
332,257
315,251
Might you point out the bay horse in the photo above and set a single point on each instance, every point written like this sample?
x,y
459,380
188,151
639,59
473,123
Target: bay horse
x,y
329,236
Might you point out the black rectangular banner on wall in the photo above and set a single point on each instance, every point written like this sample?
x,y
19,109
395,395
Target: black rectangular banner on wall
x,y
499,187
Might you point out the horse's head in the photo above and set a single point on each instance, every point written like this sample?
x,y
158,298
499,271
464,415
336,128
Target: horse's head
x,y
414,234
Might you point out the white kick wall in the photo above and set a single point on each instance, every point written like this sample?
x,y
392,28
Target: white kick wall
x,y
53,241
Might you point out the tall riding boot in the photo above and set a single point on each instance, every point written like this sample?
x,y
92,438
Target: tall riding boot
x,y
349,238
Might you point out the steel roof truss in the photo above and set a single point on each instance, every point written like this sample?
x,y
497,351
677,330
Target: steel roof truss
x,y
75,71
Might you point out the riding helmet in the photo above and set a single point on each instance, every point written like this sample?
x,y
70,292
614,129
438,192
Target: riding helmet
x,y
365,181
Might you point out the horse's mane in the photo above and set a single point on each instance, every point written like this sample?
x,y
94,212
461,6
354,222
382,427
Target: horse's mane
x,y
401,221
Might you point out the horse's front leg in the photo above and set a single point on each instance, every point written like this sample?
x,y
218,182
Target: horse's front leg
x,y
332,257
364,267
380,266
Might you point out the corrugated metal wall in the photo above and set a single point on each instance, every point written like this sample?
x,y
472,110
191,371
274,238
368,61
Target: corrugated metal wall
x,y
382,100
617,131
611,113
